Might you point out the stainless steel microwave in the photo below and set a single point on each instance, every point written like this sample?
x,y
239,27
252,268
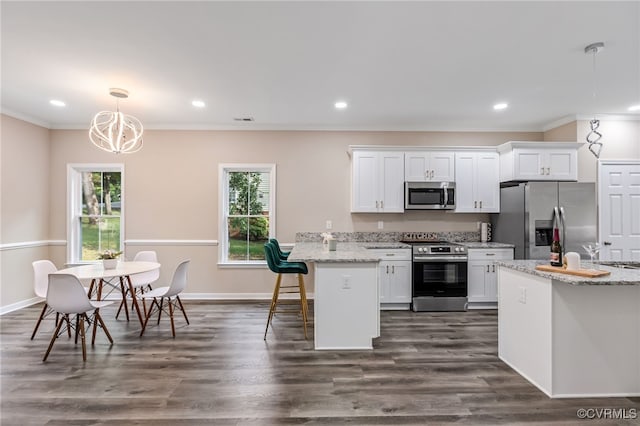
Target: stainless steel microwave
x,y
429,195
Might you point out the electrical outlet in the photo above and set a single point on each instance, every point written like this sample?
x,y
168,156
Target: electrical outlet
x,y
380,224
346,282
329,224
523,295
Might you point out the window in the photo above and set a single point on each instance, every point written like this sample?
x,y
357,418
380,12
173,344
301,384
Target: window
x,y
247,216
95,211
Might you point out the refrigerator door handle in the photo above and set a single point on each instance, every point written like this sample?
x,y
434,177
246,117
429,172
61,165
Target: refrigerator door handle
x,y
564,227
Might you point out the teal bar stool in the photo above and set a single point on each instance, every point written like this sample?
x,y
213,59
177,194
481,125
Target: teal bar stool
x,y
280,267
283,255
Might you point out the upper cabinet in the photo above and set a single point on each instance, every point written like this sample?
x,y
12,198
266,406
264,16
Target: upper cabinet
x,y
377,181
539,161
477,182
429,166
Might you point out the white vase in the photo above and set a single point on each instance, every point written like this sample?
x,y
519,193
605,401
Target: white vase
x,y
109,263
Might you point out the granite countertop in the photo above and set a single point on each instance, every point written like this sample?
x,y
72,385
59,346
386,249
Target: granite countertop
x,y
487,245
385,245
619,276
345,252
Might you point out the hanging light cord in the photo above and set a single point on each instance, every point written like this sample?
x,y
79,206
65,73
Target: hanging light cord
x,y
593,137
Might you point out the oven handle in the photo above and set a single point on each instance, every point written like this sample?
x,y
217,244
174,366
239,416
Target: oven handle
x,y
439,258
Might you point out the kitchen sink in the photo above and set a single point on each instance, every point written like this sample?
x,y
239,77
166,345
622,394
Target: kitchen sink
x,y
622,265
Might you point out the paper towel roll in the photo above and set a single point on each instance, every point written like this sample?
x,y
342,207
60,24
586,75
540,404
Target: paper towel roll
x,y
484,232
573,260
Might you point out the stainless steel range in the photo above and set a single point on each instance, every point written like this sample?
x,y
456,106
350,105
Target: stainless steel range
x,y
439,276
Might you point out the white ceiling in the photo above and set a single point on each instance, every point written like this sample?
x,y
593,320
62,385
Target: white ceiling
x,y
399,65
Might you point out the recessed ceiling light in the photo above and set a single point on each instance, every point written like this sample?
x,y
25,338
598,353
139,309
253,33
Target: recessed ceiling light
x,y
502,105
198,103
340,105
634,108
57,103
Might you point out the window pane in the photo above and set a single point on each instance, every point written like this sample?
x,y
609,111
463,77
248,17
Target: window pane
x,y
238,193
237,234
101,193
98,235
258,235
259,194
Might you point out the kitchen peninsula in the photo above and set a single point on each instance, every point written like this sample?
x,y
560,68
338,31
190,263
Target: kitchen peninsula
x,y
346,310
571,336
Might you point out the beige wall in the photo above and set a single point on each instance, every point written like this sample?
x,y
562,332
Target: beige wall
x,y
565,133
24,205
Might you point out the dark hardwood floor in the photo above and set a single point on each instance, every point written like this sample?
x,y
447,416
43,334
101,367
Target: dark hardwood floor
x,y
427,368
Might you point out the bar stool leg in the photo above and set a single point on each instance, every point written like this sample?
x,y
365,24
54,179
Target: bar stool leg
x,y
274,302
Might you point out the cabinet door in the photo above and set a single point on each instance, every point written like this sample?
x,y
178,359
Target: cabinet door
x,y
465,178
529,164
365,181
392,182
562,164
487,182
476,277
491,283
416,166
384,274
442,166
399,282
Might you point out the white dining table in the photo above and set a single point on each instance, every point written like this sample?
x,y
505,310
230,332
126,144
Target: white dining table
x,y
100,276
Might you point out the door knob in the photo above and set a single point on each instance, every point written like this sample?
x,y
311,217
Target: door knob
x,y
607,243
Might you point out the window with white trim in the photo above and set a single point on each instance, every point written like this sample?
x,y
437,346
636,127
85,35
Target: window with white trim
x,y
247,212
95,214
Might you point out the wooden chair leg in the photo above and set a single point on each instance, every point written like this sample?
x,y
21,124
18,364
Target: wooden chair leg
x,y
160,309
173,328
66,317
274,302
98,318
182,309
44,310
84,347
53,339
146,320
124,297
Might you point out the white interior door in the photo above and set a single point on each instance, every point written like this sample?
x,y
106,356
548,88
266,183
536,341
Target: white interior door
x,y
619,209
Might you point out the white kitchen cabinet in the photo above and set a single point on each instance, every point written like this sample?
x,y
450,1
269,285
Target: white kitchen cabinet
x,y
429,166
394,278
477,182
482,272
377,182
539,161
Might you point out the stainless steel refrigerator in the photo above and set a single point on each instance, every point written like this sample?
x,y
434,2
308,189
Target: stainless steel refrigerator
x,y
529,210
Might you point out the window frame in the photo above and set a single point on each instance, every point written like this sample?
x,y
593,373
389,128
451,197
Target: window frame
x,y
74,204
223,203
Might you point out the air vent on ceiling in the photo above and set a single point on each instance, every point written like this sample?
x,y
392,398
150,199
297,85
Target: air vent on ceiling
x,y
243,119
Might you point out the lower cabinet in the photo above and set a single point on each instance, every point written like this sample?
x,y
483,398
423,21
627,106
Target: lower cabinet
x,y
483,276
394,278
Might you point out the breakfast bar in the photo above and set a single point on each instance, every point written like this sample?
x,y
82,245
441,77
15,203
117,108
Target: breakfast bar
x,y
571,336
346,308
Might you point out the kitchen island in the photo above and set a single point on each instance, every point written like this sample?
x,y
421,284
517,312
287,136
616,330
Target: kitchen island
x,y
570,336
346,309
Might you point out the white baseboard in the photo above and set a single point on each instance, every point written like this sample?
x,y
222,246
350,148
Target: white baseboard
x,y
19,305
185,296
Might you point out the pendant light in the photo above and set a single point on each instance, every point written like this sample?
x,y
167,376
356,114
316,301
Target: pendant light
x,y
114,131
593,137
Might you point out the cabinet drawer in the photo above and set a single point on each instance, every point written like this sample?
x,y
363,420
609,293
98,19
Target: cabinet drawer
x,y
392,254
491,254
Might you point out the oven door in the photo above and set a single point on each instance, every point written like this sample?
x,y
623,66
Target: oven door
x,y
440,278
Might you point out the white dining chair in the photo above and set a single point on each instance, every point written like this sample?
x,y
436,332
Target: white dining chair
x,y
141,282
172,296
41,271
66,295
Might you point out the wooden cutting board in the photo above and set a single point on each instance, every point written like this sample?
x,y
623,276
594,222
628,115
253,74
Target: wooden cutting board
x,y
588,273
